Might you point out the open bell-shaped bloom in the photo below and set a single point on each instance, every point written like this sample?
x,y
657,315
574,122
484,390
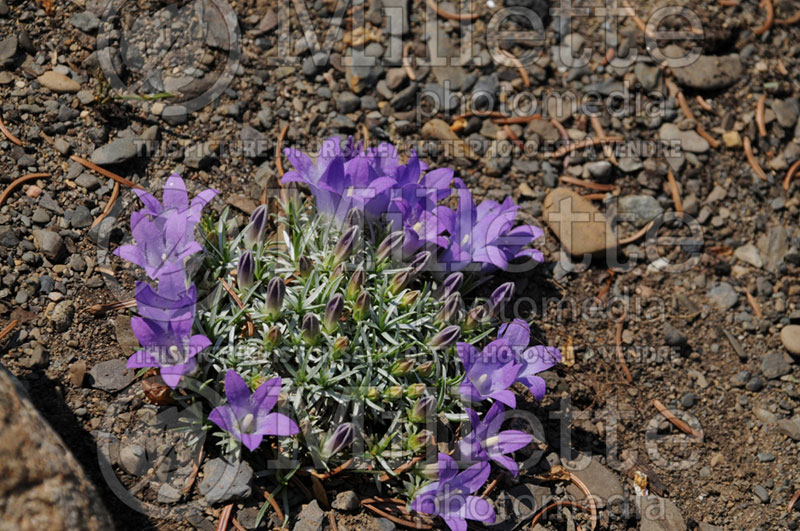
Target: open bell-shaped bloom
x,y
161,243
451,496
489,373
533,360
486,442
164,329
249,417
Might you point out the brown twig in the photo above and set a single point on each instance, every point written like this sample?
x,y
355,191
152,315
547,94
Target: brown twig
x,y
250,327
635,236
195,470
754,304
526,80
278,146
620,354
364,134
224,517
675,421
789,21
337,470
687,111
451,16
793,501
107,210
790,174
508,120
513,137
770,17
8,329
597,126
102,309
760,119
588,184
25,178
402,468
399,521
407,62
751,159
728,3
553,505
713,142
481,114
564,137
102,171
332,521
559,473
490,487
703,103
275,507
585,143
673,188
9,135
237,525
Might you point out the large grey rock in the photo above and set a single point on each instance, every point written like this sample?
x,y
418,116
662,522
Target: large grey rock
x,y
601,482
708,72
120,150
8,49
723,296
639,209
112,375
42,486
50,243
310,518
225,480
687,140
660,514
790,337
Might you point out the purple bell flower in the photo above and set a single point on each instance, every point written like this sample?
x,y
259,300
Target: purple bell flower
x,y
486,442
532,360
341,438
164,329
257,230
489,373
450,496
247,416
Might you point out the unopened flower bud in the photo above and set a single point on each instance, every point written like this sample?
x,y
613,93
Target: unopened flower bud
x,y
389,245
399,282
429,471
373,394
420,441
346,244
245,271
501,296
357,280
426,369
451,284
276,290
339,271
446,337
450,309
394,392
341,438
341,344
423,409
304,266
476,317
272,337
419,263
310,328
415,390
256,231
361,306
409,298
402,367
333,310
354,218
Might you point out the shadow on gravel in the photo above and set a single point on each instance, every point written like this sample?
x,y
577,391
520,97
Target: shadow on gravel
x,y
45,395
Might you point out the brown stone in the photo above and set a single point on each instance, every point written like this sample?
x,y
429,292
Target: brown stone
x,y
581,228
42,486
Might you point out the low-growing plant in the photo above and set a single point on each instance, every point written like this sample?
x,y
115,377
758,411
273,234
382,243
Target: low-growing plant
x,y
356,315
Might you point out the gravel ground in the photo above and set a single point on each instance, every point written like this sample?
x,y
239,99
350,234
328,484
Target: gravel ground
x,y
714,341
